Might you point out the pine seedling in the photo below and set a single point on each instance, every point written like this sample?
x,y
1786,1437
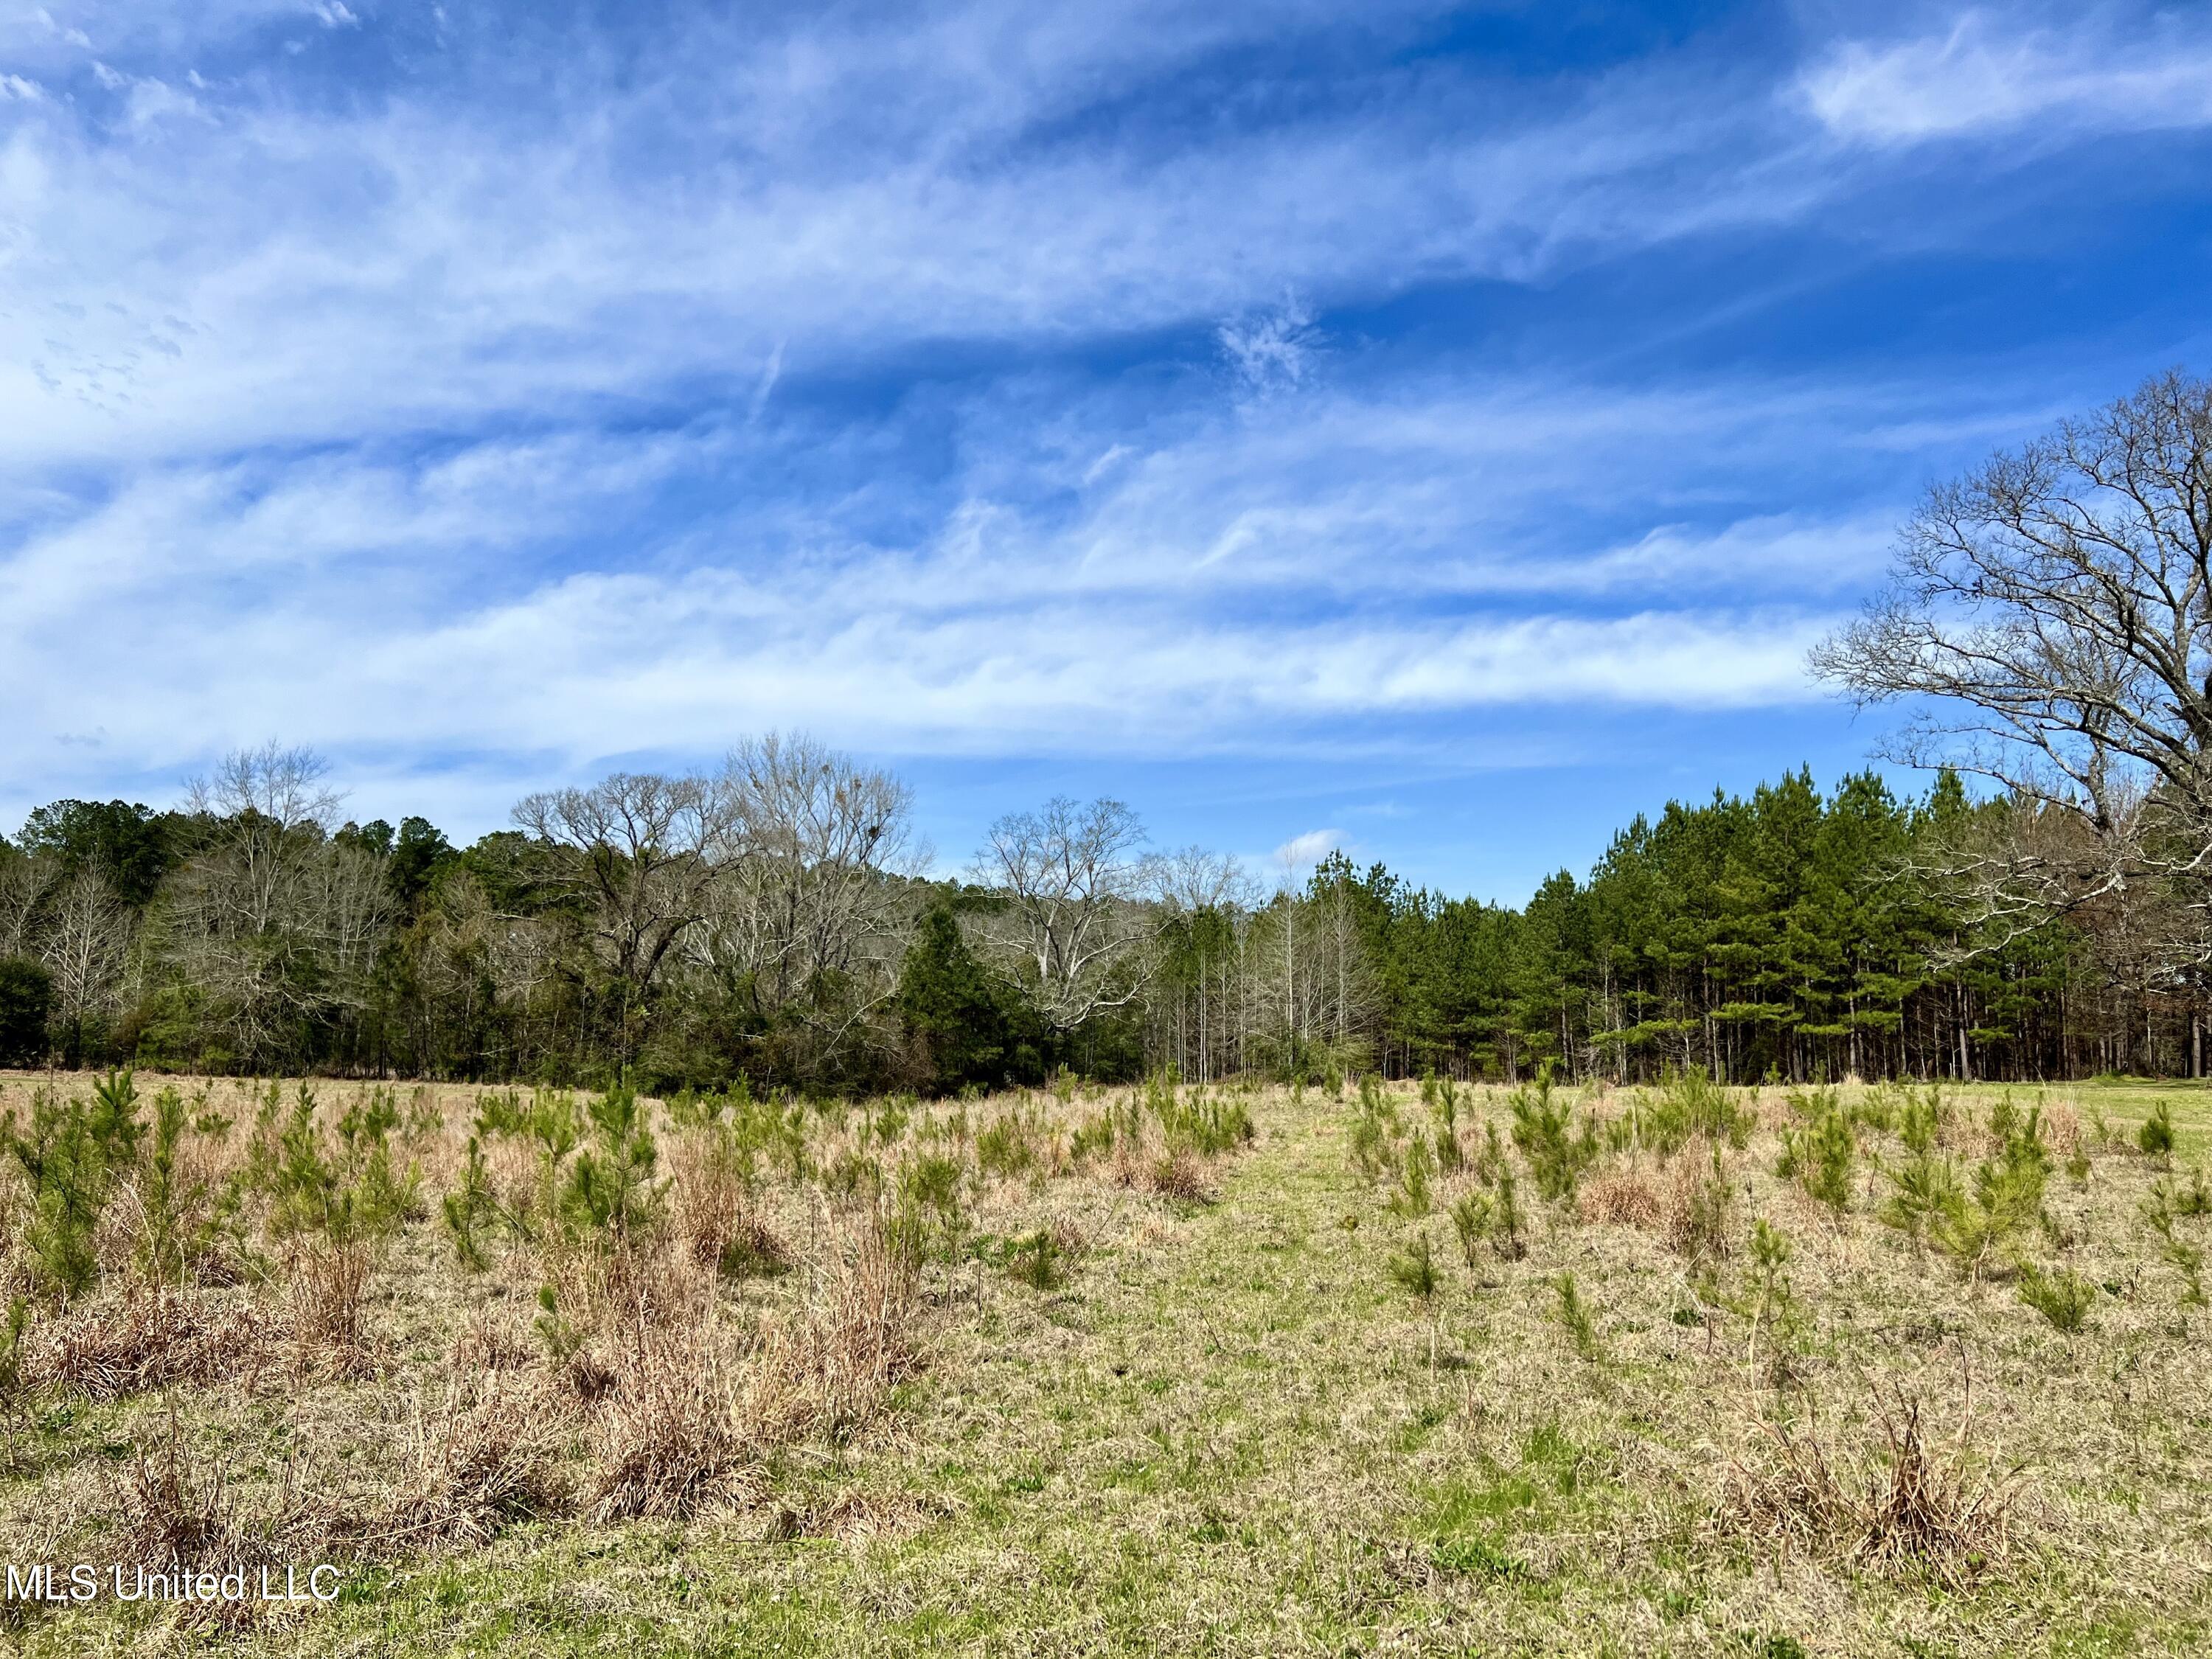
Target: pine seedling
x,y
563,1339
1471,1221
1037,1260
1924,1193
470,1208
1415,1268
1543,1130
2063,1297
1413,1196
1768,1299
1574,1316
64,1163
2155,1139
611,1186
11,1348
1829,1150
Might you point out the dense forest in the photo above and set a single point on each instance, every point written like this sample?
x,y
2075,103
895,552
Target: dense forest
x,y
766,923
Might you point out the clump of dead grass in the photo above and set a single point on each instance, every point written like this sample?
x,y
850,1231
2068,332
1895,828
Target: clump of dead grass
x,y
487,1456
1177,1174
1698,1205
1908,1507
151,1339
1624,1197
171,1507
669,1442
486,1343
722,1228
329,1298
828,1368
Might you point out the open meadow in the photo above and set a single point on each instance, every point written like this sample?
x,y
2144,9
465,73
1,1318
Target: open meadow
x,y
1379,1368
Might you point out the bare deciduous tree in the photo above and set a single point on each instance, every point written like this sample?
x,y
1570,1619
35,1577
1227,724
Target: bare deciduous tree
x,y
2054,612
1071,930
86,945
804,910
641,848
1192,879
274,919
26,883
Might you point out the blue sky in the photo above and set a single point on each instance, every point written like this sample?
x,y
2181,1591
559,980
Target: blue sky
x,y
1434,430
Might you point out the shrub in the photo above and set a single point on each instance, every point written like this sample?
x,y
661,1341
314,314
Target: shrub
x,y
1007,1147
1443,1096
1768,1300
347,1193
26,995
2155,1139
2187,1258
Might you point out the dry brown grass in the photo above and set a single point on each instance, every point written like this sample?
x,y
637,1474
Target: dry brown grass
x,y
487,1343
486,1454
151,1338
1620,1198
1904,1507
329,1298
1179,1176
1697,1208
669,1440
827,1368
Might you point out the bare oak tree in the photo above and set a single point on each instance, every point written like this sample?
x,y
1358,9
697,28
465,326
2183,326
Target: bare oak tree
x,y
2049,621
1071,929
806,912
25,884
641,850
277,922
85,947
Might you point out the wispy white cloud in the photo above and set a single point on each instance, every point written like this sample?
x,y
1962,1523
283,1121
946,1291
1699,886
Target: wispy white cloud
x,y
557,397
1274,350
1990,72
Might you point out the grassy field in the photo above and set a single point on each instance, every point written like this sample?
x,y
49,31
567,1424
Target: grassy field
x,y
1099,1374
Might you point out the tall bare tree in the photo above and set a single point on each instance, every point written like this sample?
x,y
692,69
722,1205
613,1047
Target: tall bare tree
x,y
2049,619
278,923
86,945
1071,930
805,911
639,849
26,883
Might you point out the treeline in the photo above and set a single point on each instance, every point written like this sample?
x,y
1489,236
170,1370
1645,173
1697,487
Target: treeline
x,y
772,921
